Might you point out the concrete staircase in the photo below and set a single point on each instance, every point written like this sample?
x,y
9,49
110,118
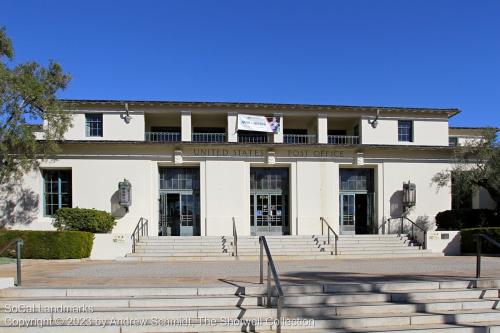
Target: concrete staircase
x,y
431,305
182,248
303,247
379,246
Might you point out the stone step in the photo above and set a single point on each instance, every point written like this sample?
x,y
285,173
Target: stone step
x,y
436,286
255,311
150,324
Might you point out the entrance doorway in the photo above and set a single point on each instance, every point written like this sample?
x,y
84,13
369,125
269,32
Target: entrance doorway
x,y
176,214
179,204
269,201
356,201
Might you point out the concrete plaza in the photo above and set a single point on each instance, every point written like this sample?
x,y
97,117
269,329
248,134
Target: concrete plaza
x,y
84,273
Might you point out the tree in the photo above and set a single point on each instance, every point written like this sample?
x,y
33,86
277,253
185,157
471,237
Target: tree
x,y
28,93
476,164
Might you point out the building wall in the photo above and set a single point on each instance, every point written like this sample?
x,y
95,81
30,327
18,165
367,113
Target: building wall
x,y
225,188
426,131
114,127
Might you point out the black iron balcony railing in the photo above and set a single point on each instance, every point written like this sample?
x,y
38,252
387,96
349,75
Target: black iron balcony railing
x,y
209,137
163,136
343,139
299,138
252,138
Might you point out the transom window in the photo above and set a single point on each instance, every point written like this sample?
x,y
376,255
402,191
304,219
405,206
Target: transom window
x,y
179,178
405,130
57,190
93,124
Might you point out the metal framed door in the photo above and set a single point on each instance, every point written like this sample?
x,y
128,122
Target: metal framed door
x,y
176,214
268,214
169,214
186,215
347,214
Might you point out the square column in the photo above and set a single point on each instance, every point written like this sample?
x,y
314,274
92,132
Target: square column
x,y
278,137
322,128
186,126
232,121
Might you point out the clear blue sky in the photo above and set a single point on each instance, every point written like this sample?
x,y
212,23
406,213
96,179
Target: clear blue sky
x,y
392,53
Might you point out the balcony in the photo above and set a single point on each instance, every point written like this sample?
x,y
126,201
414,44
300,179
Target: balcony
x,y
299,138
208,137
163,136
250,137
343,139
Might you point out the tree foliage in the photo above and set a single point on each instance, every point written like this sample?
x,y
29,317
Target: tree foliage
x,y
28,94
476,164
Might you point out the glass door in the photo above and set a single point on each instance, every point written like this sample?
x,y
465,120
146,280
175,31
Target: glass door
x,y
268,214
186,215
347,214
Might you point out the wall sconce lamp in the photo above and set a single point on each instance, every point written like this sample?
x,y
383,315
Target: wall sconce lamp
x,y
125,194
374,122
127,117
409,196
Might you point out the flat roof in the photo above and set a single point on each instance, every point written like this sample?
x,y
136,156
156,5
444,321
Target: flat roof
x,y
272,106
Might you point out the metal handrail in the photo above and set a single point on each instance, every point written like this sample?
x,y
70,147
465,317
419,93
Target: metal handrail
x,y
208,137
19,245
162,136
329,228
343,139
299,138
235,238
141,230
271,272
424,244
477,239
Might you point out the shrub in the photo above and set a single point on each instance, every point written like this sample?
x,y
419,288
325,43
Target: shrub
x,y
51,244
467,218
469,246
82,219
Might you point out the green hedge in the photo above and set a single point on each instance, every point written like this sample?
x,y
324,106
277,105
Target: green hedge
x,y
83,219
467,218
50,244
469,246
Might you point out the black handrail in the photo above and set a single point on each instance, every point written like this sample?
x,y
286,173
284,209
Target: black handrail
x,y
235,238
329,228
19,246
477,239
141,230
401,230
271,272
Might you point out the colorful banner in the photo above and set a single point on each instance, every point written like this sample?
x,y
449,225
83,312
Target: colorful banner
x,y
258,123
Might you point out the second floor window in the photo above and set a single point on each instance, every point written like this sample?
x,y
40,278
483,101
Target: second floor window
x,y
57,190
93,124
405,130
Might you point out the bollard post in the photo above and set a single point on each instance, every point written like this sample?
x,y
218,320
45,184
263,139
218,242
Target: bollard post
x,y
19,246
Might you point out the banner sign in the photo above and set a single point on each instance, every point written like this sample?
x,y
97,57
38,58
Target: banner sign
x,y
258,123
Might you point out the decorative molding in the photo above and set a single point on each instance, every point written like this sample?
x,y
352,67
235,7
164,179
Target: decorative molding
x,y
178,157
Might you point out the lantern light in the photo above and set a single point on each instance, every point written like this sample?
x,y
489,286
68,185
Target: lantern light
x,y
409,195
125,194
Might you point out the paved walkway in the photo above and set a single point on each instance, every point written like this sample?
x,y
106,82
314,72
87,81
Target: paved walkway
x,y
115,273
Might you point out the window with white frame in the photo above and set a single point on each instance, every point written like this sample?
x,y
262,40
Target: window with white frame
x,y
405,130
93,124
57,190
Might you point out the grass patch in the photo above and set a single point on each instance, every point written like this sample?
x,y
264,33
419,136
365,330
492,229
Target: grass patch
x,y
4,261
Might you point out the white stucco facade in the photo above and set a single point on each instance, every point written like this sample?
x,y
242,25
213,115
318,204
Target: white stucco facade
x,y
224,168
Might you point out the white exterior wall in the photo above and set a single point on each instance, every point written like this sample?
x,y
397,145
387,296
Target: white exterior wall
x,y
114,127
225,190
426,132
227,186
94,185
430,199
